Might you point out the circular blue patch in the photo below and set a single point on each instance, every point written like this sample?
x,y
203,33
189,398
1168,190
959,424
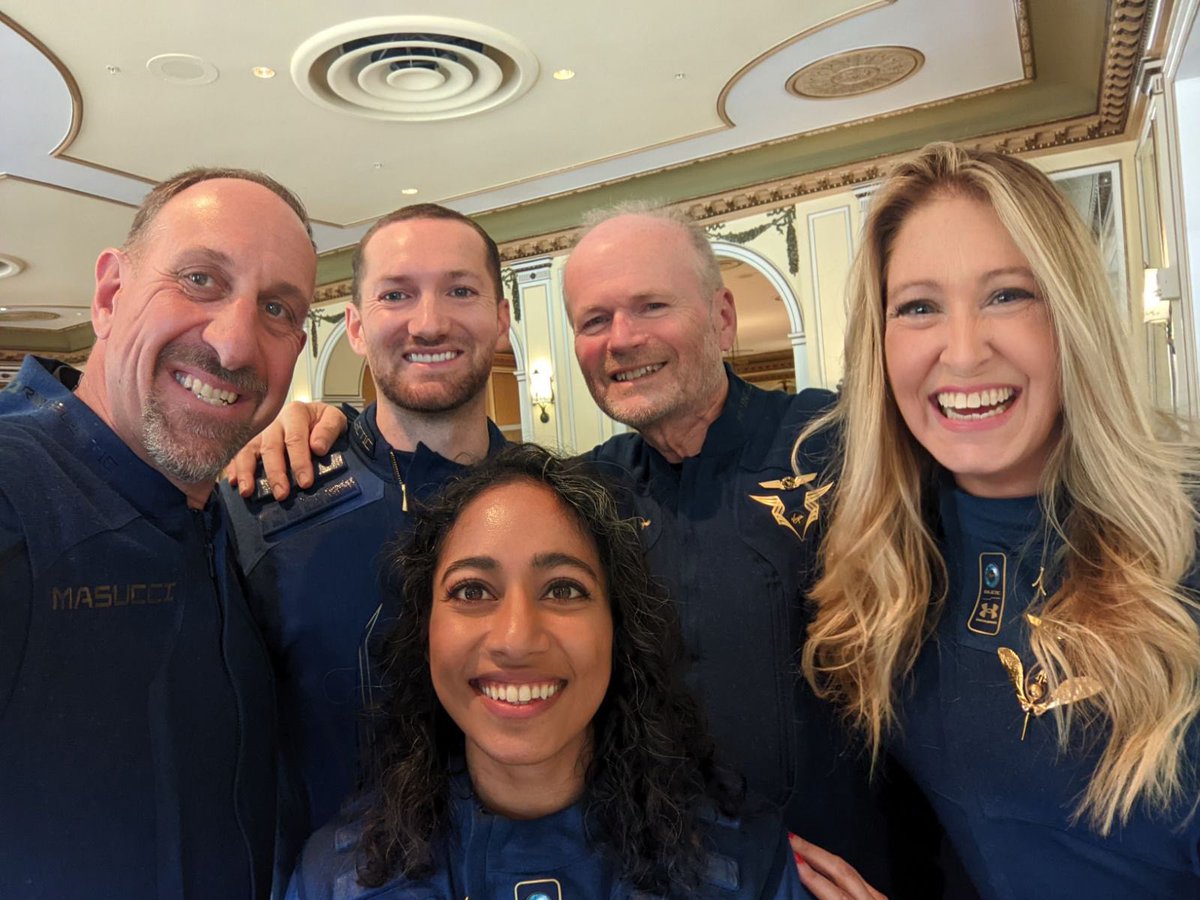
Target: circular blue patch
x,y
539,897
991,575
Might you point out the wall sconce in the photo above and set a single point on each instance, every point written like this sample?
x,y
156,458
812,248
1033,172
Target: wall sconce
x,y
541,390
1159,288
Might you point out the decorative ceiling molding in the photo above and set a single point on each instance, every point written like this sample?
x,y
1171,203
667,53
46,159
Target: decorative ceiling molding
x,y
1116,97
66,190
723,97
855,72
387,96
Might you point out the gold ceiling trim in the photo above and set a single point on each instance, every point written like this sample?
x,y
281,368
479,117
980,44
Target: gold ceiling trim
x,y
66,190
783,45
1024,40
727,123
1122,49
67,77
60,152
1025,36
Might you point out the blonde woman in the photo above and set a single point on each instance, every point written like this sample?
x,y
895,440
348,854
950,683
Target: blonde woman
x,y
1005,605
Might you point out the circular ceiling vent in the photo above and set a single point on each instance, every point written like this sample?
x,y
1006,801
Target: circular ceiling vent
x,y
855,72
10,265
412,68
28,315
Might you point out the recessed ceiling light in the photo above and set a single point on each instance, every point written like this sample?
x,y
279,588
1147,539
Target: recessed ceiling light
x,y
564,74
409,191
262,72
182,68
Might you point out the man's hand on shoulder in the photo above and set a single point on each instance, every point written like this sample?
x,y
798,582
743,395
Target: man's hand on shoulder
x,y
300,432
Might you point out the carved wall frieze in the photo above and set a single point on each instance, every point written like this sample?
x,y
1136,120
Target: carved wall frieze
x,y
335,290
13,358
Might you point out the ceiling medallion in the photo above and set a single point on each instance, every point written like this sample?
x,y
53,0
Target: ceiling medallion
x,y
28,315
855,72
412,68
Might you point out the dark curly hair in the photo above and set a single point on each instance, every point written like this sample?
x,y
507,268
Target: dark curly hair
x,y
652,771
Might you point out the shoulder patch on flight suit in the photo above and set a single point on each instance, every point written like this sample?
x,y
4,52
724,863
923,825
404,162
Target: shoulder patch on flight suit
x,y
327,465
306,504
332,485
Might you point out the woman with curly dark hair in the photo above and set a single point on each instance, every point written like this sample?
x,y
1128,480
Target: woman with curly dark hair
x,y
538,737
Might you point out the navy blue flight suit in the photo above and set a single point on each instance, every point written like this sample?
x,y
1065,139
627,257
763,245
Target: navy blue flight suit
x,y
550,857
733,534
312,564
1007,802
136,700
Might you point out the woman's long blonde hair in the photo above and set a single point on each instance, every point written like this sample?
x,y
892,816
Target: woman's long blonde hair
x,y
1117,496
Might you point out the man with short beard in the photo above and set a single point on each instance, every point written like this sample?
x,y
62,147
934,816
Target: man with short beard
x,y
137,735
427,312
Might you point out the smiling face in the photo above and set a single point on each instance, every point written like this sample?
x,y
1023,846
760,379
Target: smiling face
x,y
430,315
198,326
969,348
648,334
521,633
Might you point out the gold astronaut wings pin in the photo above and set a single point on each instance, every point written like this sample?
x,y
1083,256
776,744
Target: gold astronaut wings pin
x,y
1031,686
778,509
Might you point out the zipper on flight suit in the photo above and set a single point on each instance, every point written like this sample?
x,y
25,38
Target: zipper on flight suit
x,y
399,481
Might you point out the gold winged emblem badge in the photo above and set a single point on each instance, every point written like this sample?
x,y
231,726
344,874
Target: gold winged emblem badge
x,y
812,502
1031,688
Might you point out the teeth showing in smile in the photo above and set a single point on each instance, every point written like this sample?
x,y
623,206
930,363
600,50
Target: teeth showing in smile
x,y
634,374
206,392
444,356
975,405
520,694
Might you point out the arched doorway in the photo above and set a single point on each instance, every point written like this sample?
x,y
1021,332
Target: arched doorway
x,y
770,349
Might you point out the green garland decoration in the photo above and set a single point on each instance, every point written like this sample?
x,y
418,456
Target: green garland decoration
x,y
509,277
313,318
782,220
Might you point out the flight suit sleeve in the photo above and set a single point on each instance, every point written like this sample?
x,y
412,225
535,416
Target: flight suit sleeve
x,y
789,886
15,599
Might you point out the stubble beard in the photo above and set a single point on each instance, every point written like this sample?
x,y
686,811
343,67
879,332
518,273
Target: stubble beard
x,y
186,445
433,397
674,399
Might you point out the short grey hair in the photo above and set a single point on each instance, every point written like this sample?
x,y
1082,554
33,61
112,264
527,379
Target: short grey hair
x,y
708,270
